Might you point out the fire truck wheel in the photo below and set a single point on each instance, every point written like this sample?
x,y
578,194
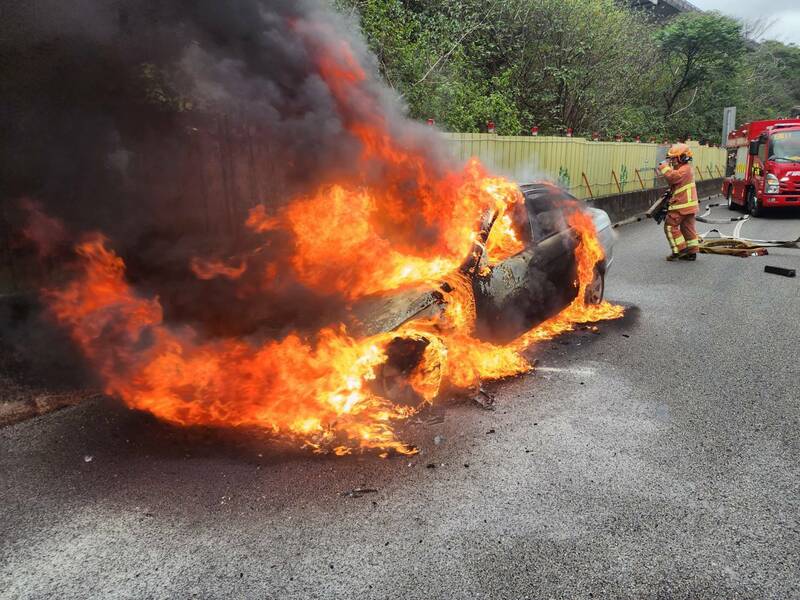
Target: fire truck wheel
x,y
731,204
596,289
752,205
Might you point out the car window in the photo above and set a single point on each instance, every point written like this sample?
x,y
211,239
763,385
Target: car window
x,y
549,223
521,223
546,207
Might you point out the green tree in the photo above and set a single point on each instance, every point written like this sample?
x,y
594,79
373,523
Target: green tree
x,y
770,81
698,49
592,65
421,50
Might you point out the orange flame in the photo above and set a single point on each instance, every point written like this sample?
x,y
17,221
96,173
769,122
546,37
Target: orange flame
x,y
210,269
314,393
338,234
258,220
318,393
354,238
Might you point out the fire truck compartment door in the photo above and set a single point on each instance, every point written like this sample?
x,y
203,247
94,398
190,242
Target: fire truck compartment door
x,y
742,155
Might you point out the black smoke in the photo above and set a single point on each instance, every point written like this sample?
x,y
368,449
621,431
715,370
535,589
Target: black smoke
x,y
161,124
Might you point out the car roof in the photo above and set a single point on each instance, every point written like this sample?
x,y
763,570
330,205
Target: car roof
x,y
543,195
540,187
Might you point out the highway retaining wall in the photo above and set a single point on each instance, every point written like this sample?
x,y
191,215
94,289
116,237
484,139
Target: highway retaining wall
x,y
624,206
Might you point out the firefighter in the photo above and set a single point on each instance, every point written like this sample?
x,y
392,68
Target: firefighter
x,y
680,225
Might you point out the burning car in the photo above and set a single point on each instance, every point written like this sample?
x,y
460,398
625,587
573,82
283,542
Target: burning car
x,y
534,268
250,272
503,300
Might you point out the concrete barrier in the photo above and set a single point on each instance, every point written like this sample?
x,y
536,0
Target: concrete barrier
x,y
624,206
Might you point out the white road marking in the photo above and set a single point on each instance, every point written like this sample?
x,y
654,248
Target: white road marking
x,y
581,372
738,229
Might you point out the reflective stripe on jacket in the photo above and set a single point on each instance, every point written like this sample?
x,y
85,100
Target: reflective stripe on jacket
x,y
684,190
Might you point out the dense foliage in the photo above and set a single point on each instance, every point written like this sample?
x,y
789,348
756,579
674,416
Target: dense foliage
x,y
590,65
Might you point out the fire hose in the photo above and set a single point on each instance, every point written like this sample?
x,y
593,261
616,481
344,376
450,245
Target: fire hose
x,y
737,246
704,217
728,245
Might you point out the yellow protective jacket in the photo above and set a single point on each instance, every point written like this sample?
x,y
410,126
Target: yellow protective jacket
x,y
682,186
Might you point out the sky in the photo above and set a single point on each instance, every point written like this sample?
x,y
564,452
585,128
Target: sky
x,y
784,13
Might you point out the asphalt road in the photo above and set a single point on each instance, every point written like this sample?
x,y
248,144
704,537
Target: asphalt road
x,y
658,459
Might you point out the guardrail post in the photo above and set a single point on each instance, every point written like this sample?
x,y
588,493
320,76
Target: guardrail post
x,y
588,187
639,177
619,187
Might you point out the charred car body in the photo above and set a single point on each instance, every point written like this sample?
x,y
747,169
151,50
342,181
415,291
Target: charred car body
x,y
510,297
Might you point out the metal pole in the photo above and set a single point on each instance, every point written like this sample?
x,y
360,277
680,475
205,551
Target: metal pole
x,y
639,177
619,187
588,187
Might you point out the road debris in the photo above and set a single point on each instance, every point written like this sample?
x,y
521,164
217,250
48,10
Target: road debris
x,y
358,492
484,399
430,416
779,271
88,458
17,411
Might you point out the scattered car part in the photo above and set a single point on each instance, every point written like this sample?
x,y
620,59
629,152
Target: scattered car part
x,y
779,271
358,492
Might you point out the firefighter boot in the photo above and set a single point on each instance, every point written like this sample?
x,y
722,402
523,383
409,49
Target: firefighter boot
x,y
682,255
690,257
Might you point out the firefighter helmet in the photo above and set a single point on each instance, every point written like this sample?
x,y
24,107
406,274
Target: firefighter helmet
x,y
681,152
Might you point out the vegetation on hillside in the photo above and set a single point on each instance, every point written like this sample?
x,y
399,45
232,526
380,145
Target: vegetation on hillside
x,y
589,65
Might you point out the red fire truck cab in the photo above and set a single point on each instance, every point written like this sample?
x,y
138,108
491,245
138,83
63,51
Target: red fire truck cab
x,y
763,167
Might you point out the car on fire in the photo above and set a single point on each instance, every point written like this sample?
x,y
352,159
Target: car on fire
x,y
512,296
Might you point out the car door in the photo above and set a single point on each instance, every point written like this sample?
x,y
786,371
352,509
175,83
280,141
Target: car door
x,y
500,290
552,273
535,284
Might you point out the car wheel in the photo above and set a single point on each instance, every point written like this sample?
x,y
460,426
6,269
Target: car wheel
x,y
405,357
752,205
596,289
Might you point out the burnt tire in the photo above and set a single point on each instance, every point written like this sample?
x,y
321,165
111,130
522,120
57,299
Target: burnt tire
x,y
596,289
405,358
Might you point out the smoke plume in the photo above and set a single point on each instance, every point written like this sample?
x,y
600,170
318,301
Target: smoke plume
x,y
163,124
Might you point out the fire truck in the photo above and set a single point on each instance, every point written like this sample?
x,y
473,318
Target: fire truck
x,y
763,166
